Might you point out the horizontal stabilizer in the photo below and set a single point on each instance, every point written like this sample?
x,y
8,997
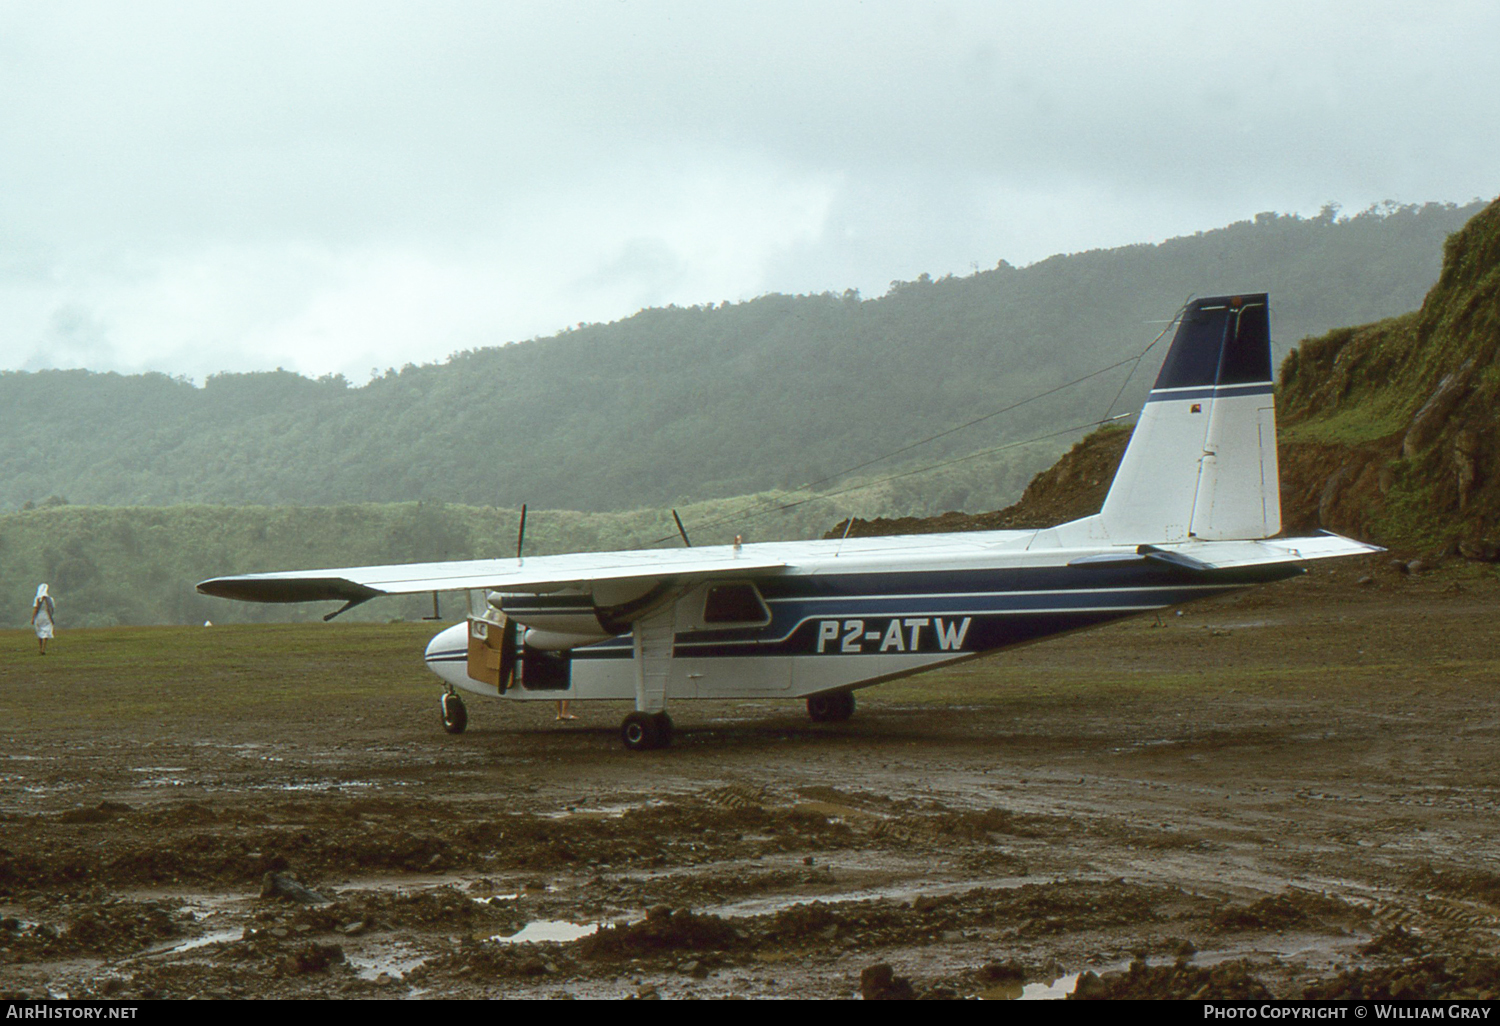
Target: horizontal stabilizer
x,y
538,574
1201,557
1228,555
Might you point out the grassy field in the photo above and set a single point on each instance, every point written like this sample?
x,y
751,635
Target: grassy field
x,y
248,677
136,675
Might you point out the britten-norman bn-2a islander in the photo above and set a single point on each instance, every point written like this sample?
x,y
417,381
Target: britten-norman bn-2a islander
x,y
1190,514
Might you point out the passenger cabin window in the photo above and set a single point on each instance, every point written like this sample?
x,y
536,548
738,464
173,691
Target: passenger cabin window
x,y
734,603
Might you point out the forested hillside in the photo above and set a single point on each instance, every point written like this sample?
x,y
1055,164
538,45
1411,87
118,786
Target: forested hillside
x,y
674,404
112,565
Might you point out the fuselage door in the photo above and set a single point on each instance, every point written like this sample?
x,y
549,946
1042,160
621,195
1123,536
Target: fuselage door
x,y
492,649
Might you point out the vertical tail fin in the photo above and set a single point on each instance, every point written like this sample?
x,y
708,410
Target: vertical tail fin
x,y
1202,460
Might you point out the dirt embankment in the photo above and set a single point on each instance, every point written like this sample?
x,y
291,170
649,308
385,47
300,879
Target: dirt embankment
x,y
1390,428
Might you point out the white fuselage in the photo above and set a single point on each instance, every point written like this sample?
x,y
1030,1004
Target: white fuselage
x,y
840,615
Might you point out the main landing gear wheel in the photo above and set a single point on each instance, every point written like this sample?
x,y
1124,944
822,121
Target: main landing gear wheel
x,y
455,716
831,706
643,731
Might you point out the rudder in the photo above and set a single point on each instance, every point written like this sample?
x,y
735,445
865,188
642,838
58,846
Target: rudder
x,y
1202,460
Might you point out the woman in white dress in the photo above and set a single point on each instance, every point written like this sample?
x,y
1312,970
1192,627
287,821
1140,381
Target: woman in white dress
x,y
41,618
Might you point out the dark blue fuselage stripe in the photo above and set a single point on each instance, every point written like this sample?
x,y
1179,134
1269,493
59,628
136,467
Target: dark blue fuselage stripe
x,y
1003,606
986,630
983,634
917,583
788,614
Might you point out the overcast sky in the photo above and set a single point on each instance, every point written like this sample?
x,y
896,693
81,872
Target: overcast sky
x,y
334,187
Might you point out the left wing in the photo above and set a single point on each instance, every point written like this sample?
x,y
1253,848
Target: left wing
x,y
538,574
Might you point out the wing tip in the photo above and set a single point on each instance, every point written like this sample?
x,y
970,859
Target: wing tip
x,y
255,588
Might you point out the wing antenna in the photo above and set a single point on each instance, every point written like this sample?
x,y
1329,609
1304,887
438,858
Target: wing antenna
x,y
848,526
681,530
521,534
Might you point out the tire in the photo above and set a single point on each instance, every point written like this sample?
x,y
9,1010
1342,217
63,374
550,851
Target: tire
x,y
455,714
831,706
641,732
663,730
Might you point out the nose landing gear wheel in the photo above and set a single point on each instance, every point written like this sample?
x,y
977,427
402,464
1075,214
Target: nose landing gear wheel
x,y
831,706
643,731
455,715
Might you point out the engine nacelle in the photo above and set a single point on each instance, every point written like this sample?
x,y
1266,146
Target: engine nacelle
x,y
562,620
559,641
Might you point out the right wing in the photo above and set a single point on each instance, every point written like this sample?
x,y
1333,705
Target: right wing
x,y
538,574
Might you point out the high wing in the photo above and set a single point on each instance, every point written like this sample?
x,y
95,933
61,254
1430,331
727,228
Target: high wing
x,y
537,574
598,570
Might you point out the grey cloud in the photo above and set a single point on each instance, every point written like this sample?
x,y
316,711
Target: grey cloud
x,y
566,145
75,337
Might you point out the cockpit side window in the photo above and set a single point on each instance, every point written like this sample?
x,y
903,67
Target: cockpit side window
x,y
734,604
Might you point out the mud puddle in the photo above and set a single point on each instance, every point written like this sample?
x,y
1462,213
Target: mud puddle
x,y
903,892
548,931
394,961
1056,989
204,940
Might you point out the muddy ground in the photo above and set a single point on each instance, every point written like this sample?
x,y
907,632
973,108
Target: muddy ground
x,y
1294,791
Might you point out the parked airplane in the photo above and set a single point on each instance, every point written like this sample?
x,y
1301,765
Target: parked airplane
x,y
1191,513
